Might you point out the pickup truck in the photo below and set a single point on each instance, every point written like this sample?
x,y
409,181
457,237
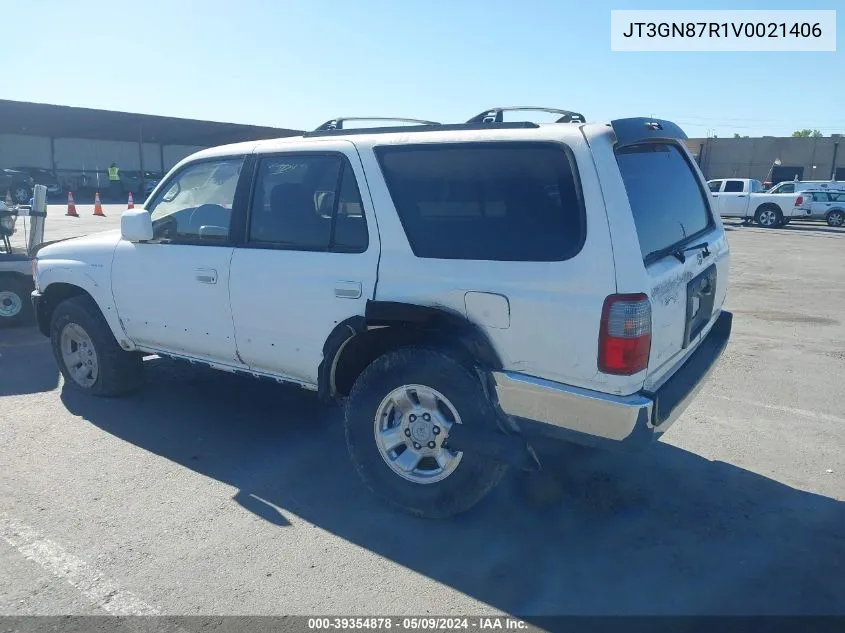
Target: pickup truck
x,y
744,198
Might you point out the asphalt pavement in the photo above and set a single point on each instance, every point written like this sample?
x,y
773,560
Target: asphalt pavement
x,y
217,495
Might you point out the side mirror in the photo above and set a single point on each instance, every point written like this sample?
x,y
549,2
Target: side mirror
x,y
136,226
211,232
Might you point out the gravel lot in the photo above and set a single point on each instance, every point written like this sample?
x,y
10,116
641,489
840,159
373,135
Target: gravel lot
x,y
210,494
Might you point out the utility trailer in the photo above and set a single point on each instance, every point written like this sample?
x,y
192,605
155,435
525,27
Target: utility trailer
x,y
16,284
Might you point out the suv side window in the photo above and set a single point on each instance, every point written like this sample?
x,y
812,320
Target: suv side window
x,y
307,202
499,201
196,207
821,196
715,185
734,186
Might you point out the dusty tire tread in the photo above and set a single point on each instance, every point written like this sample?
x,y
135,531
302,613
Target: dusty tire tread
x,y
119,371
465,387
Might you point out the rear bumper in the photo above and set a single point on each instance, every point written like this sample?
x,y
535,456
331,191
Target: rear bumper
x,y
549,409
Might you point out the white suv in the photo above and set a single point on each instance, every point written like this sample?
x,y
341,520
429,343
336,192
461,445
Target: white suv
x,y
465,290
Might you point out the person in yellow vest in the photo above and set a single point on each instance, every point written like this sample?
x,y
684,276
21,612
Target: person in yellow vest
x,y
114,182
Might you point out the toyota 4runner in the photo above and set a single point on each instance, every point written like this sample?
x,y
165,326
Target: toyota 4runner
x,y
465,290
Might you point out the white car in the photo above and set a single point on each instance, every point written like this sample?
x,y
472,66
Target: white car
x,y
797,186
823,205
467,291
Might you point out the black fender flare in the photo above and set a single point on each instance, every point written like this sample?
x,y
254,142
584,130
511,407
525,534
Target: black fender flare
x,y
440,325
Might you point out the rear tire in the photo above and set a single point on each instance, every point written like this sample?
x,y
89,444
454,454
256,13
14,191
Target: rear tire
x,y
395,393
15,303
88,355
836,219
768,217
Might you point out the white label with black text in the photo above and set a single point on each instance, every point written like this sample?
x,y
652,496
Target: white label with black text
x,y
723,30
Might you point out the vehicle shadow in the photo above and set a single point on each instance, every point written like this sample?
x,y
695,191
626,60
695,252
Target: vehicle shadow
x,y
667,531
814,228
819,230
26,362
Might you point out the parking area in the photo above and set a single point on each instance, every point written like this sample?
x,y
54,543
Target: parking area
x,y
212,494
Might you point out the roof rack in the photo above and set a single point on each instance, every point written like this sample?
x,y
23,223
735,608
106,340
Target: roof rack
x,y
494,115
404,129
337,124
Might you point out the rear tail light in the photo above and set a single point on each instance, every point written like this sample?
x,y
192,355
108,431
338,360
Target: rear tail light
x,y
625,334
799,201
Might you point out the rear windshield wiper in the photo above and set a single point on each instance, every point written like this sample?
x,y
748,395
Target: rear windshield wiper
x,y
680,253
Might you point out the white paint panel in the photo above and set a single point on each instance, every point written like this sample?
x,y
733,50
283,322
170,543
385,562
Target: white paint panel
x,y
23,150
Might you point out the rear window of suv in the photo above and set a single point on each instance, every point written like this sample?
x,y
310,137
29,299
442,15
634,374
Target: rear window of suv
x,y
666,198
500,201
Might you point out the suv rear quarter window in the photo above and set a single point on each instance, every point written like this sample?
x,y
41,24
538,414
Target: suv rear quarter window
x,y
503,201
666,198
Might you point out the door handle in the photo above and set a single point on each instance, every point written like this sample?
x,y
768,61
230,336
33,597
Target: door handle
x,y
741,195
206,275
347,289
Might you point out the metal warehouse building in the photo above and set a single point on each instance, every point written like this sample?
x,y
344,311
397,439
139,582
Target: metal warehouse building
x,y
770,159
79,144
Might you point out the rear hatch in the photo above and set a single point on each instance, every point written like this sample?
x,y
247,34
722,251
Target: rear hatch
x,y
667,241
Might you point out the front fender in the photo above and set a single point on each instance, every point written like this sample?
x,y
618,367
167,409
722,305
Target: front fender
x,y
93,279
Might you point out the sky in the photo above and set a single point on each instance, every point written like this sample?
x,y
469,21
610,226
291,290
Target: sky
x,y
296,64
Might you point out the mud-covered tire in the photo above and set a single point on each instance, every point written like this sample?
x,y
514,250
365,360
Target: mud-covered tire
x,y
475,475
15,302
118,371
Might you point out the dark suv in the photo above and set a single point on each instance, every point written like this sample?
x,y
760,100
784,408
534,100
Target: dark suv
x,y
17,183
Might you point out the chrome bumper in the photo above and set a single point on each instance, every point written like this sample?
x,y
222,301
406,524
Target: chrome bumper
x,y
546,408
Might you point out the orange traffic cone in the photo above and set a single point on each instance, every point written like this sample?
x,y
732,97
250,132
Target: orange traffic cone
x,y
131,201
98,207
71,206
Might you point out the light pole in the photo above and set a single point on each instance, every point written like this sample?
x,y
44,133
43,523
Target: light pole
x,y
777,163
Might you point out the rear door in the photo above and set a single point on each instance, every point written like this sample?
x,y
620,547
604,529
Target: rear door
x,y
733,201
309,260
821,203
656,193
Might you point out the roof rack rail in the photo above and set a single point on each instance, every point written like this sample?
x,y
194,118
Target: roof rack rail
x,y
337,124
494,115
407,129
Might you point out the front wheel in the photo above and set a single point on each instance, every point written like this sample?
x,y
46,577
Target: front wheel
x,y
768,217
398,417
836,218
88,355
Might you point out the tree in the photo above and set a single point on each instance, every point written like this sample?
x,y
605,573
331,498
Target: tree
x,y
805,133
738,136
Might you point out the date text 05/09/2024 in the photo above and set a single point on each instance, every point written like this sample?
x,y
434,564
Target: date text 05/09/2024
x,y
428,623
